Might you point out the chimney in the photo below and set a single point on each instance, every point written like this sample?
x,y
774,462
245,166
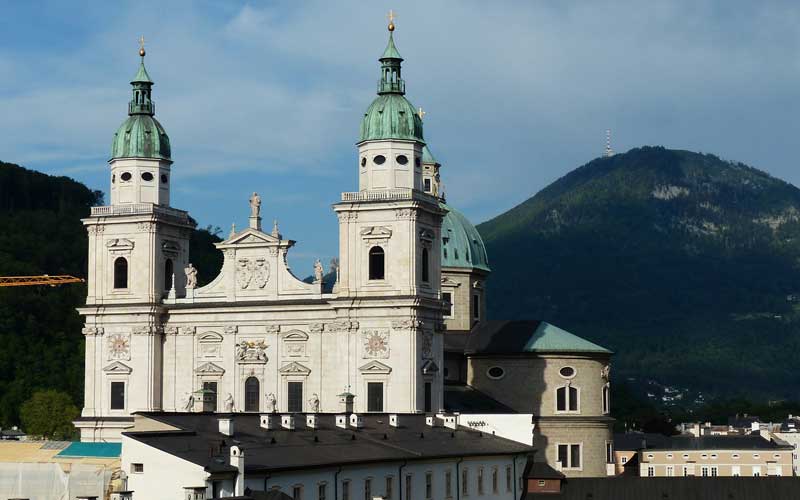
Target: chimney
x,y
194,493
393,421
432,421
356,421
341,421
237,460
312,421
226,426
269,421
287,422
450,421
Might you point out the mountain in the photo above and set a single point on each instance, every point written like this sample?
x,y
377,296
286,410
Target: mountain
x,y
41,345
687,266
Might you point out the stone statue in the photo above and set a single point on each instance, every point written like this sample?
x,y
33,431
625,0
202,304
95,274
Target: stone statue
x,y
191,276
319,272
272,403
189,402
606,372
314,403
229,403
255,205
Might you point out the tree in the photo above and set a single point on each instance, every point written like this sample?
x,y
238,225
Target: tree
x,y
49,414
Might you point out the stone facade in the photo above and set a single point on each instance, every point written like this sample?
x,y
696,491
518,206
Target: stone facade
x,y
712,463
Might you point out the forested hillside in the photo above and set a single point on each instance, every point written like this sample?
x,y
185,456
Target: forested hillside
x,y
684,264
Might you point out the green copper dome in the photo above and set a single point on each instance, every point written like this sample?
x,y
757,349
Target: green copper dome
x,y
462,245
391,115
141,136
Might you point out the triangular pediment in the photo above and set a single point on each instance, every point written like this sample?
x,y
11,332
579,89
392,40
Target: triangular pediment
x,y
295,336
429,367
450,282
210,368
250,237
294,368
375,367
118,367
120,244
376,232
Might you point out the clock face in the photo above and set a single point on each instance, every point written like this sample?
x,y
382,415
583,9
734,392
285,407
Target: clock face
x,y
376,344
119,347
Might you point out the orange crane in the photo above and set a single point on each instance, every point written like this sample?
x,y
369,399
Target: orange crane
x,y
38,280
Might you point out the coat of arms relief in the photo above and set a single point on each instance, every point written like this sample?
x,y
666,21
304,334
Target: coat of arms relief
x,y
251,351
252,273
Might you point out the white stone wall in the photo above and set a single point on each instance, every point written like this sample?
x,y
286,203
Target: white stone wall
x,y
164,476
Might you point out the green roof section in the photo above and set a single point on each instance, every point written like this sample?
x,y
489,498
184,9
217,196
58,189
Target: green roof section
x,y
391,51
92,450
427,156
550,338
141,75
462,245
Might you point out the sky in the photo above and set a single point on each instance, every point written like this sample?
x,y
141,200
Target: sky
x,y
268,96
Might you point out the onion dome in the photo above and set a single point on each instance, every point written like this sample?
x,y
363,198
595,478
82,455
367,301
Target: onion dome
x,y
462,245
141,136
391,115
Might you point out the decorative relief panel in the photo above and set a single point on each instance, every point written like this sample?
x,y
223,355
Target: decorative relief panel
x,y
92,330
96,229
119,346
252,273
187,330
251,351
343,326
376,343
120,246
171,330
407,324
376,235
209,345
405,214
145,330
231,329
427,345
294,344
272,328
316,327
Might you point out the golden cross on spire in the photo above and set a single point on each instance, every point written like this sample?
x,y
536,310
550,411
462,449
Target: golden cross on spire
x,y
391,17
141,45
421,113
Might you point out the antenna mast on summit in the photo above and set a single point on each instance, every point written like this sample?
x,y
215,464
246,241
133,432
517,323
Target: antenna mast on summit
x,y
608,152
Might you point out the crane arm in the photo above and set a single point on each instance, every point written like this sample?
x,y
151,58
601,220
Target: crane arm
x,y
38,280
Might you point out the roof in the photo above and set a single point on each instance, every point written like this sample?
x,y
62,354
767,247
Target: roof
x,y
141,136
141,75
462,245
325,446
523,336
50,452
749,442
635,441
540,470
675,488
427,156
466,399
391,51
391,116
99,450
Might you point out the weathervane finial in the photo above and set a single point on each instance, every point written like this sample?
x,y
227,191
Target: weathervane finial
x,y
391,17
141,46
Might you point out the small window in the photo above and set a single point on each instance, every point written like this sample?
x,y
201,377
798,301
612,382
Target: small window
x,y
428,397
669,456
495,372
402,159
448,486
567,372
389,487
294,398
376,263
368,489
494,480
651,471
569,455
567,399
426,185
686,457
416,162
251,394
345,490
408,487
117,395
297,492
426,271
624,460
480,481
606,399
363,162
121,272
379,160
465,481
168,271
509,480
137,468
126,176
735,456
541,482
322,491
164,178
113,178
447,298
476,306
428,485
147,176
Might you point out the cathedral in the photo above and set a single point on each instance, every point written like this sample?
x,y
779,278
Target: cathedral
x,y
402,330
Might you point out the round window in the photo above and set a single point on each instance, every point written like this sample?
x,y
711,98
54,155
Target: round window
x,y
147,176
402,159
164,178
567,372
363,162
126,176
495,372
379,160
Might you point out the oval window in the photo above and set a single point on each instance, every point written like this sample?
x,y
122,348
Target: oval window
x,y
567,372
495,372
113,179
164,178
379,160
402,159
126,176
363,162
147,176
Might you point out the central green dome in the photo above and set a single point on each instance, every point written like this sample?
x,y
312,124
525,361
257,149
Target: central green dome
x,y
391,115
141,136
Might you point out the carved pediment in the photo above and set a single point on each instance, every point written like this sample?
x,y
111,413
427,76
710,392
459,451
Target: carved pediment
x,y
250,237
120,245
295,336
375,367
210,337
294,368
446,281
210,369
429,367
170,247
376,232
118,367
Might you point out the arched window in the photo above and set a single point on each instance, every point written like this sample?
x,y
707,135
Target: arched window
x,y
376,263
567,399
168,270
606,399
425,266
121,273
251,393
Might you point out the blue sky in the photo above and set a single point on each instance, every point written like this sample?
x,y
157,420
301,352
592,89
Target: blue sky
x,y
268,95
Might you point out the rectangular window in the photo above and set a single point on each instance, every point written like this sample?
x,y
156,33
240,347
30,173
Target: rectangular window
x,y
209,396
322,491
624,460
428,397
541,482
345,490
480,481
651,471
609,452
117,395
448,486
494,480
563,450
685,470
670,470
137,468
368,489
389,487
297,493
476,306
427,184
408,487
375,396
447,298
714,471
606,405
561,399
428,485
573,398
465,481
294,398
756,471
569,455
704,471
575,456
509,479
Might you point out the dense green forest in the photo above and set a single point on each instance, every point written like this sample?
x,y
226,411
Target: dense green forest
x,y
41,345
682,263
